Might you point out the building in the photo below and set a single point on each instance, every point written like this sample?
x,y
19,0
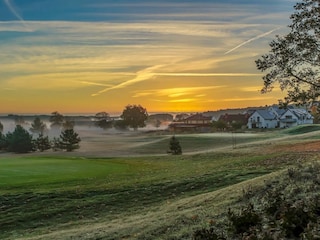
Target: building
x,y
273,117
262,119
196,122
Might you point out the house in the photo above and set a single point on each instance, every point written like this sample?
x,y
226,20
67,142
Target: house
x,y
262,119
197,119
294,117
196,122
273,117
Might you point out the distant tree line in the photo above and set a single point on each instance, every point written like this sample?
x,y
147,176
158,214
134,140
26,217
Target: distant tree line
x,y
133,116
21,141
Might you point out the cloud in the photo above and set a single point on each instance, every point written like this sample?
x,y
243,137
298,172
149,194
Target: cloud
x,y
252,39
177,92
246,99
208,74
15,13
142,75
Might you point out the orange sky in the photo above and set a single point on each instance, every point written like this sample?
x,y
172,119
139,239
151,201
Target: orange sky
x,y
196,57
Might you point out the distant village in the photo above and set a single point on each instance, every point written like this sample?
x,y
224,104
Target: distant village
x,y
259,118
269,117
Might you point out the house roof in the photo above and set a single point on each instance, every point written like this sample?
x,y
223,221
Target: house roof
x,y
265,114
299,113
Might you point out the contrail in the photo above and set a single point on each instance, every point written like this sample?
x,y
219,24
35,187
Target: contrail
x,y
142,75
252,39
14,12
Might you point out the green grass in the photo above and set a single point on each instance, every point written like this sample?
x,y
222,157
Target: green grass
x,y
41,194
202,142
302,129
38,192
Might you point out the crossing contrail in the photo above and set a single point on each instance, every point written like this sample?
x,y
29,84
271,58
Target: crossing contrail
x,y
14,12
252,39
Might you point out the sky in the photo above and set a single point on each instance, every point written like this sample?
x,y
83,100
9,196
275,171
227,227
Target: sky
x,y
88,56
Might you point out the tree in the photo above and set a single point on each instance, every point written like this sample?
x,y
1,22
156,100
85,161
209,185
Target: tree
x,y
68,124
294,59
103,120
220,125
19,141
19,120
42,143
134,116
120,125
69,140
56,119
3,142
37,126
174,146
1,127
56,144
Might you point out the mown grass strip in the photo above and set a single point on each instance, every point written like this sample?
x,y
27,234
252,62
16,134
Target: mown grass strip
x,y
76,189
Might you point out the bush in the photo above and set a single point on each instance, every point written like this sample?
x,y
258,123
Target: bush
x,y
42,143
246,219
174,146
19,141
207,234
69,140
288,208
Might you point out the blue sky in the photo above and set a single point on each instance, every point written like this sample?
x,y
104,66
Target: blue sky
x,y
95,55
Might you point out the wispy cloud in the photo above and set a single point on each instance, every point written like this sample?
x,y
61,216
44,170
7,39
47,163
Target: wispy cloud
x,y
142,75
152,52
247,99
208,74
252,39
15,13
177,92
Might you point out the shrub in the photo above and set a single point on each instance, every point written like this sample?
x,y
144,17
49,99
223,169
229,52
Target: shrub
x,y
207,234
242,222
288,208
19,141
42,143
174,146
69,140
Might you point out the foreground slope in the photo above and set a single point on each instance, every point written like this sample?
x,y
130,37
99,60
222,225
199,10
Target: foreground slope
x,y
163,197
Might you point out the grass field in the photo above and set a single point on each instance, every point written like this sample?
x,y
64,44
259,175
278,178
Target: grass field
x,y
74,197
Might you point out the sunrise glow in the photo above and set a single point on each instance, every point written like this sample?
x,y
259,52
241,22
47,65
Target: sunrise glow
x,y
101,55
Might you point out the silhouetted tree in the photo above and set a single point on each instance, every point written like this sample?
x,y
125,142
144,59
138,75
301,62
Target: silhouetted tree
x,y
68,124
19,141
103,120
69,140
134,116
42,143
174,146
37,126
55,144
120,125
19,120
294,59
3,142
56,119
220,125
1,127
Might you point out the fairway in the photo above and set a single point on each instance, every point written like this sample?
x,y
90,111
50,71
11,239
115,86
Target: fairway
x,y
34,172
43,195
